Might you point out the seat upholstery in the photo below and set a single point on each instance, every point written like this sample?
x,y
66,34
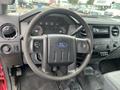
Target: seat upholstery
x,y
112,81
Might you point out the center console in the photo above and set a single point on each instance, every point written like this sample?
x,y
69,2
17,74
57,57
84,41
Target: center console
x,y
106,39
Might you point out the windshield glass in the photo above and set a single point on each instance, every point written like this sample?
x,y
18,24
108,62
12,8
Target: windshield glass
x,y
110,8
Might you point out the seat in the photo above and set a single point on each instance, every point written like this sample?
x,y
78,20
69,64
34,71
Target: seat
x,y
112,81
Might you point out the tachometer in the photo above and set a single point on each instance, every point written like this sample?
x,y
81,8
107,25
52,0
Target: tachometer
x,y
37,31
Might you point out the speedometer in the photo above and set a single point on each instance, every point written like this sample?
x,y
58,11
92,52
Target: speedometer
x,y
37,30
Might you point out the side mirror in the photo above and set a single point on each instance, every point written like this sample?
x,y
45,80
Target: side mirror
x,y
6,2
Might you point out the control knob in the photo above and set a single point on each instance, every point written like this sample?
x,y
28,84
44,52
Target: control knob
x,y
6,49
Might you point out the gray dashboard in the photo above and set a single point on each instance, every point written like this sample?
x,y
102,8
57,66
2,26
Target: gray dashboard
x,y
11,47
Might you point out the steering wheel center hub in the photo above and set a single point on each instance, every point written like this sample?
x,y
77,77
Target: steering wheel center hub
x,y
61,50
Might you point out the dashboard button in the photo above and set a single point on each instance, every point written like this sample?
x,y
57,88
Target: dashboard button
x,y
6,49
115,44
103,54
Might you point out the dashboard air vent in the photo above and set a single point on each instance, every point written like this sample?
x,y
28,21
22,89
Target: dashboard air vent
x,y
115,31
8,31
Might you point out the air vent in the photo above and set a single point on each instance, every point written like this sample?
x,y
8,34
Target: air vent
x,y
8,31
115,31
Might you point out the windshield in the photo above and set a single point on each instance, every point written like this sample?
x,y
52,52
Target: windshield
x,y
107,8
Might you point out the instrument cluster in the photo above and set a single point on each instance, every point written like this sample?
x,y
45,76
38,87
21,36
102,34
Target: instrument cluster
x,y
51,25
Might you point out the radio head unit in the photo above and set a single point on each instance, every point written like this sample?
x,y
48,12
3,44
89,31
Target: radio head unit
x,y
101,31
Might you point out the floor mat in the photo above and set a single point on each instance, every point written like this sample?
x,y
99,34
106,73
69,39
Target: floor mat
x,y
30,81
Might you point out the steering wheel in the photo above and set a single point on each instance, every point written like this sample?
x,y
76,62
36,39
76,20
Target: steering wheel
x,y
59,50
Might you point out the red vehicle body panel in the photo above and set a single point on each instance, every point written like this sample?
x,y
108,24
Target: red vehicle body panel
x,y
3,84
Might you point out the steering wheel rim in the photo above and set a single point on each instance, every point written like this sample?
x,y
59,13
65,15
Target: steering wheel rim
x,y
26,44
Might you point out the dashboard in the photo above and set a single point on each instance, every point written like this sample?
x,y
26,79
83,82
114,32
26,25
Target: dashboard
x,y
106,34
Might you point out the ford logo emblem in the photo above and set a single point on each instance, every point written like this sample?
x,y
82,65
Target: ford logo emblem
x,y
62,45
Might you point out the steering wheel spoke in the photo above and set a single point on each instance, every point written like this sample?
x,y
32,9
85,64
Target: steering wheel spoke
x,y
83,45
36,44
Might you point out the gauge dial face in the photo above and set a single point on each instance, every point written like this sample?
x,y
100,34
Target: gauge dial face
x,y
62,30
37,31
